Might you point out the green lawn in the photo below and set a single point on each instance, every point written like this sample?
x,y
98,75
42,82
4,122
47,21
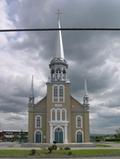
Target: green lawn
x,y
14,153
59,153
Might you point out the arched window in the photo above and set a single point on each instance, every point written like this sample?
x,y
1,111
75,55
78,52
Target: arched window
x,y
38,123
38,136
79,136
58,93
63,114
78,121
61,93
55,93
53,114
58,114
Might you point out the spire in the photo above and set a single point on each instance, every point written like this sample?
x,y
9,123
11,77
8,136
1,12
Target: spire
x,y
86,97
60,49
32,88
31,97
85,88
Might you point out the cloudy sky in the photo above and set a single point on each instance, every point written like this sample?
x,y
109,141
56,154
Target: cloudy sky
x,y
93,55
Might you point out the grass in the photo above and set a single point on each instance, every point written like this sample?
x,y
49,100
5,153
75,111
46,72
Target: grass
x,y
103,145
59,153
14,153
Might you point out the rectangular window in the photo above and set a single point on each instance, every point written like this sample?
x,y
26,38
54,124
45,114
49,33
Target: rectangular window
x,y
63,114
55,93
53,114
61,92
58,93
79,122
58,114
37,122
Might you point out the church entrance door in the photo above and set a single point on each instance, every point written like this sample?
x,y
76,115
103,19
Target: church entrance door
x,y
59,135
79,137
38,137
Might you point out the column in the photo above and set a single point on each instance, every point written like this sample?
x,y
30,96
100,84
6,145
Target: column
x,y
66,137
51,133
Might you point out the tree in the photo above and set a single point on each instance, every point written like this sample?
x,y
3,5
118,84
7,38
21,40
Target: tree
x,y
117,133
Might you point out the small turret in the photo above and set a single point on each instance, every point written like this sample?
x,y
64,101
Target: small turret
x,y
31,97
85,97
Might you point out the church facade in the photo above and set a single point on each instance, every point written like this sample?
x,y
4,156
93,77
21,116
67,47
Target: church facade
x,y
58,116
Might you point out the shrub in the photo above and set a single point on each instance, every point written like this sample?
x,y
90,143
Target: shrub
x,y
53,147
67,148
114,139
69,153
50,148
61,148
32,152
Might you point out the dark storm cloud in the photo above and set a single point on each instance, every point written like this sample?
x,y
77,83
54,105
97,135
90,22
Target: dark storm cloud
x,y
14,94
89,53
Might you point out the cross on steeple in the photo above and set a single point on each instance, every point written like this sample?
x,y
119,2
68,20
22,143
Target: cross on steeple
x,y
58,13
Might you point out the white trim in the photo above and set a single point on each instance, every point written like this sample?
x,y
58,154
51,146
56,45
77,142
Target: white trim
x,y
36,116
81,118
81,133
35,135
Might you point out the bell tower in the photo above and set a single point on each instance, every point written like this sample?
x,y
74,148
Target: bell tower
x,y
58,95
58,65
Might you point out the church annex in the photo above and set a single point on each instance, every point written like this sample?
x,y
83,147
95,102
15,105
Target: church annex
x,y
58,116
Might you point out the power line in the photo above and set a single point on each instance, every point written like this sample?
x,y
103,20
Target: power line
x,y
55,29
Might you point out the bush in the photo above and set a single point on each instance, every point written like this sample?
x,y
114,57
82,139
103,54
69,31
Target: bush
x,y
61,148
32,152
69,153
54,147
51,148
114,139
67,148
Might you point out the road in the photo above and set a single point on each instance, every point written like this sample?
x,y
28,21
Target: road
x,y
72,158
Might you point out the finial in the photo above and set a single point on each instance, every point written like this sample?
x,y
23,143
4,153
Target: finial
x,y
59,13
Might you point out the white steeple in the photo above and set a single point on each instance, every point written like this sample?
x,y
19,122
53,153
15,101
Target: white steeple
x,y
85,88
32,88
31,97
60,49
58,65
86,97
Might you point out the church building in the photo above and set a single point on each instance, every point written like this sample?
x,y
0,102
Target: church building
x,y
58,116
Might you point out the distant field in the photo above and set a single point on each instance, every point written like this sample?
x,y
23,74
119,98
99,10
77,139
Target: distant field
x,y
59,153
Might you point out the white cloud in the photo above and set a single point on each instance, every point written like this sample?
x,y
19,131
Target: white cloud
x,y
92,55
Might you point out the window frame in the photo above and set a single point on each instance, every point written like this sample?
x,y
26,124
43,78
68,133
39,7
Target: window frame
x,y
36,126
57,99
81,118
60,110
